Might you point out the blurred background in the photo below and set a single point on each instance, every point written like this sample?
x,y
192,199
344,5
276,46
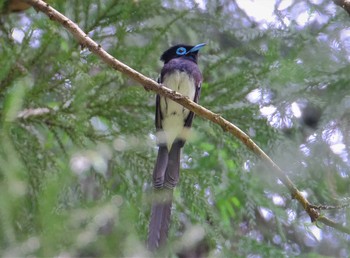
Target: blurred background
x,y
77,143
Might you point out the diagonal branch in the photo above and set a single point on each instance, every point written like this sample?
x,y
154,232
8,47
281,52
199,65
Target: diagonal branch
x,y
149,84
345,4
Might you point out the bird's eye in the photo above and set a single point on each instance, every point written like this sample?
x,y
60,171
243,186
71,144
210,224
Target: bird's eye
x,y
181,51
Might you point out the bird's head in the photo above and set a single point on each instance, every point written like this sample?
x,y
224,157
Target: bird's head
x,y
181,50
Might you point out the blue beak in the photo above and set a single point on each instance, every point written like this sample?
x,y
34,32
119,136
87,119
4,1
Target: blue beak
x,y
196,48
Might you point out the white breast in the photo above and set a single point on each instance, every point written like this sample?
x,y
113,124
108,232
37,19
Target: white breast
x,y
174,114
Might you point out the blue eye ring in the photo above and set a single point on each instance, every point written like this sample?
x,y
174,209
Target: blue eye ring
x,y
181,51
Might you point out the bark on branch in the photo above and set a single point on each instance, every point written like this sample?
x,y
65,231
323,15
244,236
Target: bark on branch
x,y
150,84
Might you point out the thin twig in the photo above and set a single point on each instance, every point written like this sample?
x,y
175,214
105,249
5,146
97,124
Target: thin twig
x,y
149,84
24,114
330,207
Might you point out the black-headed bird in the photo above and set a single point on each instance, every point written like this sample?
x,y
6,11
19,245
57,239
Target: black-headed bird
x,y
179,73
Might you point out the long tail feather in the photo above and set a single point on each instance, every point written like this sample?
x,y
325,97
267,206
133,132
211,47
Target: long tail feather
x,y
160,219
161,208
160,167
172,172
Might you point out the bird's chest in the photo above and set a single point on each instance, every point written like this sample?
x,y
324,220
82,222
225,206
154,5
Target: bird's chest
x,y
182,83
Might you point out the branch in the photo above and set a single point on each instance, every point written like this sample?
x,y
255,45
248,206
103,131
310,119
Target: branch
x,y
26,113
331,207
345,4
149,84
333,224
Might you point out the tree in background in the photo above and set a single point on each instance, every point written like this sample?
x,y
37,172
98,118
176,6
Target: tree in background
x,y
77,138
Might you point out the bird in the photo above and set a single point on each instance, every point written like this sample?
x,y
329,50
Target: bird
x,y
180,73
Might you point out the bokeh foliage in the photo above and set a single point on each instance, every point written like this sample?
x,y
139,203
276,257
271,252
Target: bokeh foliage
x,y
76,176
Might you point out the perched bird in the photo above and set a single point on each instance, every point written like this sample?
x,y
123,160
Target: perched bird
x,y
179,73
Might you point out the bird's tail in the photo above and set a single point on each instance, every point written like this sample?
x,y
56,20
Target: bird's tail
x,y
161,208
160,219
